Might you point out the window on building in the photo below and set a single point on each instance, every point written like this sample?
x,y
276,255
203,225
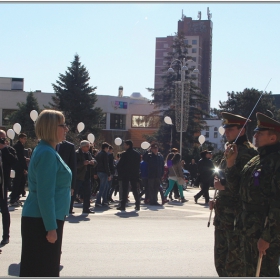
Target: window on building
x,y
186,41
6,116
102,122
207,134
165,46
194,58
215,128
215,134
145,121
117,121
194,42
194,50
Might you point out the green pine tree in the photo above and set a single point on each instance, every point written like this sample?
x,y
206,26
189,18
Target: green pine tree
x,y
164,100
76,98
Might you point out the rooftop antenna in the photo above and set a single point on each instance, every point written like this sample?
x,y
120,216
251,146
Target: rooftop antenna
x,y
182,15
209,14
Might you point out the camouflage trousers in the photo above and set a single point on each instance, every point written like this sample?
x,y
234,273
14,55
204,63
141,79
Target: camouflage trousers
x,y
228,254
269,265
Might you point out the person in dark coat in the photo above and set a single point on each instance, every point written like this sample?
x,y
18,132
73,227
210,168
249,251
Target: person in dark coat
x,y
192,168
206,173
67,152
21,171
103,172
129,169
9,160
155,163
85,165
112,171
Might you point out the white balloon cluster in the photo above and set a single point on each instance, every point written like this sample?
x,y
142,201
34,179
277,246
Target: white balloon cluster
x,y
11,134
33,115
201,139
17,128
221,130
118,141
145,145
80,127
167,120
91,138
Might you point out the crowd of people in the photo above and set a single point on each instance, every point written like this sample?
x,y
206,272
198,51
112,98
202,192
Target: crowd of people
x,y
247,204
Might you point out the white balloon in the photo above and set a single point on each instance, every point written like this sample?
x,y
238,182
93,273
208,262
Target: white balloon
x,y
118,141
11,134
91,138
80,126
145,145
167,120
33,115
221,130
17,128
201,139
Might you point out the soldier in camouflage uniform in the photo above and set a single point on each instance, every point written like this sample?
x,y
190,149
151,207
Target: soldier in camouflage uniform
x,y
259,184
227,253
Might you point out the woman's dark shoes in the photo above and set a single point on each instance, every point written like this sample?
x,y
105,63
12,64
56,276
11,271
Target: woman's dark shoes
x,y
121,208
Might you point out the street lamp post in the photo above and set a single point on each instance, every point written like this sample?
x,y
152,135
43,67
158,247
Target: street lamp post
x,y
184,67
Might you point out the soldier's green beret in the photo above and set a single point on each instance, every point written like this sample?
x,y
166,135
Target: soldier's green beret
x,y
233,120
266,123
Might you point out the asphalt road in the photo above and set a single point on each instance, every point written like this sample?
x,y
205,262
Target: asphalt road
x,y
171,241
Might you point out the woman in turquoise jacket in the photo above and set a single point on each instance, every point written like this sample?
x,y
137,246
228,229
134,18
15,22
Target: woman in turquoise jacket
x,y
45,209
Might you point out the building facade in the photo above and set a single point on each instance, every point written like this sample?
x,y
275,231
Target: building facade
x,y
212,135
198,35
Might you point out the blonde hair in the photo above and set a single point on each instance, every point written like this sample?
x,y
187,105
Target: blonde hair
x,y
46,125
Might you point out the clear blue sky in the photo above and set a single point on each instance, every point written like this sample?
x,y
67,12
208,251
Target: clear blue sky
x,y
116,43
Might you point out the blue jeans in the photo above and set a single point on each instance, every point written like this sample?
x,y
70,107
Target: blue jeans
x,y
103,188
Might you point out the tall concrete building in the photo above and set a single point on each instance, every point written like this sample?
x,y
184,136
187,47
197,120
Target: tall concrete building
x,y
198,34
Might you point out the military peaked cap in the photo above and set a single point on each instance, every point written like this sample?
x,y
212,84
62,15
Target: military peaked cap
x,y
233,120
266,123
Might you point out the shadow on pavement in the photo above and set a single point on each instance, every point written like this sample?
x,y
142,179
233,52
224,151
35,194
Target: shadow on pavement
x,y
124,214
13,269
77,219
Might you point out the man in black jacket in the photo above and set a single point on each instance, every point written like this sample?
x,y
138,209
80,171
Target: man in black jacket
x,y
85,165
67,152
21,171
103,172
155,172
206,173
9,160
192,168
129,169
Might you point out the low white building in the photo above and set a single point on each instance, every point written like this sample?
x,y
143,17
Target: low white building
x,y
212,134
